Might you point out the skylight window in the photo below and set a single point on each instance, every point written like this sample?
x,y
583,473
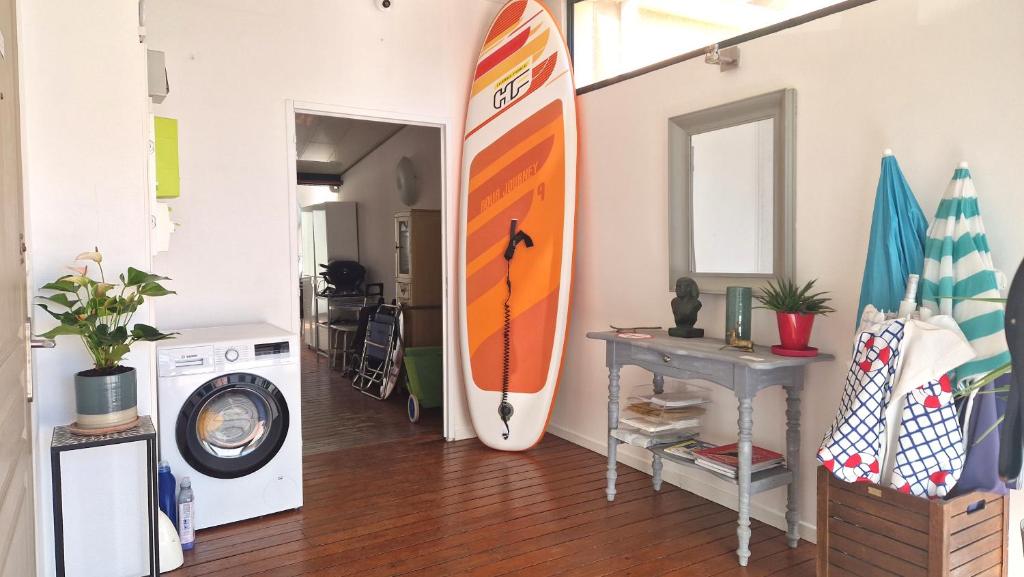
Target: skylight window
x,y
614,37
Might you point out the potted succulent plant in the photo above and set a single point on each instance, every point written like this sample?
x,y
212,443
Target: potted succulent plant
x,y
100,312
795,308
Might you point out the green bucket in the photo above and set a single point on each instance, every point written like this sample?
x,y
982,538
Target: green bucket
x,y
424,367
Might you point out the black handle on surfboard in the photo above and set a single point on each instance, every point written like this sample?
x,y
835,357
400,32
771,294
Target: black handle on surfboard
x,y
505,409
514,238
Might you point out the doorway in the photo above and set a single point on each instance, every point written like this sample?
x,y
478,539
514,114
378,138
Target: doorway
x,y
369,203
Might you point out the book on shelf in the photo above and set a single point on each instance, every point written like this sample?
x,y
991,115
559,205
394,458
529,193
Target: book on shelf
x,y
715,467
725,459
658,425
650,409
675,400
687,448
646,440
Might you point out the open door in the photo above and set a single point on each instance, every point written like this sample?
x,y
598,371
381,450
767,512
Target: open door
x,y
17,509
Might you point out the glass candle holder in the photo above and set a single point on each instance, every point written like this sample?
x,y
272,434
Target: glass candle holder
x,y
738,309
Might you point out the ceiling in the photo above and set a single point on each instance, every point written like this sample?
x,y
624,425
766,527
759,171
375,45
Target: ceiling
x,y
332,145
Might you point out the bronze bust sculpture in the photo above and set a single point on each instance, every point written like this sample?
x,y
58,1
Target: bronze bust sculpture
x,y
685,307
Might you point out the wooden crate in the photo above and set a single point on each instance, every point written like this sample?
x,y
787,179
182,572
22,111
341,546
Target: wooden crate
x,y
867,530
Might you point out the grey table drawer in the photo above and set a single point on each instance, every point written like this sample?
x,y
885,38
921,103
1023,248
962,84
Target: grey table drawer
x,y
681,367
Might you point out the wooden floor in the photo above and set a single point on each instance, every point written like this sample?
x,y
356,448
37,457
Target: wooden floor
x,y
423,507
337,416
386,497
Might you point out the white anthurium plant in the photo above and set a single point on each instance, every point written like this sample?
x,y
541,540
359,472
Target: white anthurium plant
x,y
100,312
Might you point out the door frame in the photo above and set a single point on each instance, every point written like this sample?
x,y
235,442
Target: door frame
x,y
448,214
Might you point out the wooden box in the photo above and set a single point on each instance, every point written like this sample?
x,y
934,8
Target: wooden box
x,y
867,530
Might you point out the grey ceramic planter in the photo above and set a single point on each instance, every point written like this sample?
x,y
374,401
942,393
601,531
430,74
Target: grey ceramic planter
x,y
106,400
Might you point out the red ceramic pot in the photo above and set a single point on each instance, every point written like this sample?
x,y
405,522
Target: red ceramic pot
x,y
795,330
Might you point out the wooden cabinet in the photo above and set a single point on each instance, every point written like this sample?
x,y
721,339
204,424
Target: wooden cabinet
x,y
418,282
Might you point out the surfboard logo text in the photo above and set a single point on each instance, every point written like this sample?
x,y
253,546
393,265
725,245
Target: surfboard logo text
x,y
511,88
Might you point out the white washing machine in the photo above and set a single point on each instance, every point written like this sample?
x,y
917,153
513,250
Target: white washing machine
x,y
230,418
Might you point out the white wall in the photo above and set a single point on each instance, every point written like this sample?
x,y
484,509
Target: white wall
x,y
935,80
233,66
84,129
371,183
306,194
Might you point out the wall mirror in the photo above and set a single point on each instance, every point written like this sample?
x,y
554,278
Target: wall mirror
x,y
731,192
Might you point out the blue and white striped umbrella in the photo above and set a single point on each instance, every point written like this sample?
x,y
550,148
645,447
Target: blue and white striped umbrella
x,y
958,267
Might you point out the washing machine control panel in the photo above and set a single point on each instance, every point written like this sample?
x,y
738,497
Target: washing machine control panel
x,y
235,356
230,356
185,361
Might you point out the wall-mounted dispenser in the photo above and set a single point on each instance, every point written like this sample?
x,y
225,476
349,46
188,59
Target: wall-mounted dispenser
x,y
159,85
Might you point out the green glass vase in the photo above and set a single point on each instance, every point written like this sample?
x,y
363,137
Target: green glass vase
x,y
738,309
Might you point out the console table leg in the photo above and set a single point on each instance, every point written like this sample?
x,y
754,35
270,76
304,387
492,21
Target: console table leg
x,y
793,459
659,384
746,423
656,466
613,423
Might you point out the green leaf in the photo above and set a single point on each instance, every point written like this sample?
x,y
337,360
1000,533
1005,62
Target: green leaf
x,y
980,383
60,330
978,299
117,352
784,295
59,298
61,285
141,332
136,277
152,289
56,315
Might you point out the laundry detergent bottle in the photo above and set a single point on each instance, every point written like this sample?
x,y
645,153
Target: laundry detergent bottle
x,y
167,487
186,514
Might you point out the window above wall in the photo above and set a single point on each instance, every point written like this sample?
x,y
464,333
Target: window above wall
x,y
615,37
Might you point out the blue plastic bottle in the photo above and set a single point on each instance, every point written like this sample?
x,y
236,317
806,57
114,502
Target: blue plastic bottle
x,y
186,515
167,486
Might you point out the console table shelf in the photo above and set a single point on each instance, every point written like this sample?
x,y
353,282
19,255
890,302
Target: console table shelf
x,y
760,481
743,373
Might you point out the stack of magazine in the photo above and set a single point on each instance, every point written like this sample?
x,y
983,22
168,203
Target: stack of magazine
x,y
724,460
687,449
661,418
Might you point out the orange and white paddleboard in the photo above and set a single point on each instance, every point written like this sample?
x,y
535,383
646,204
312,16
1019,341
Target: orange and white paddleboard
x,y
518,164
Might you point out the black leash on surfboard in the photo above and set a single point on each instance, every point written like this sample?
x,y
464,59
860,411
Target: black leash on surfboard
x,y
505,408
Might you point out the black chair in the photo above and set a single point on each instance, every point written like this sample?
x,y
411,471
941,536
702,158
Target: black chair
x,y
382,352
355,347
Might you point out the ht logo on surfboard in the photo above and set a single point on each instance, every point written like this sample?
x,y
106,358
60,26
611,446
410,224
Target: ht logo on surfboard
x,y
512,86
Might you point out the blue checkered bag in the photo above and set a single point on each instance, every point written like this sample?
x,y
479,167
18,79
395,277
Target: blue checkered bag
x,y
930,455
851,447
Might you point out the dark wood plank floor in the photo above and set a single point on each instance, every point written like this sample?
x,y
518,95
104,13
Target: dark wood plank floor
x,y
387,497
423,507
337,416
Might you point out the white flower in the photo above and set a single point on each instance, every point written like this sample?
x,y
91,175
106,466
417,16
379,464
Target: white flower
x,y
94,256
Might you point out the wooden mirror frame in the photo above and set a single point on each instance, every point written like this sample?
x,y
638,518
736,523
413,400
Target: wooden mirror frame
x,y
780,106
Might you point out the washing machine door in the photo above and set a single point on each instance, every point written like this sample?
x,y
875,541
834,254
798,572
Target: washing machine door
x,y
232,425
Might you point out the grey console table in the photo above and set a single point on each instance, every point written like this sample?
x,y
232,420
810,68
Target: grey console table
x,y
743,373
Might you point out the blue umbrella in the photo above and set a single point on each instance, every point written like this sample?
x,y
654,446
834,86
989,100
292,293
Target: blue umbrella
x,y
896,244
